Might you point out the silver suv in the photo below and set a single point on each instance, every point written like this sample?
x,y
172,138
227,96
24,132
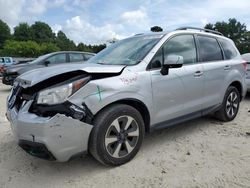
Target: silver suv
x,y
136,85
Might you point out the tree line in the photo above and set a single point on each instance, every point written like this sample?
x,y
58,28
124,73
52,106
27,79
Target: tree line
x,y
37,39
234,30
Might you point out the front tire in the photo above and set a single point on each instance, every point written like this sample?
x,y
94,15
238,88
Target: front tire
x,y
117,134
230,105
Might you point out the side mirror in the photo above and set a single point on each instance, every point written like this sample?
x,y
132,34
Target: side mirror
x,y
171,61
46,63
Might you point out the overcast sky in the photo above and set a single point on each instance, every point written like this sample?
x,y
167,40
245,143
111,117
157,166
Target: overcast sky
x,y
96,21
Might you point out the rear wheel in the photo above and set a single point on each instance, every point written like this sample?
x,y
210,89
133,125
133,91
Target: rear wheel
x,y
230,105
117,134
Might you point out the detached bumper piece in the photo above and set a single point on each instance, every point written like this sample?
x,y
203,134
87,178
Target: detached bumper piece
x,y
36,149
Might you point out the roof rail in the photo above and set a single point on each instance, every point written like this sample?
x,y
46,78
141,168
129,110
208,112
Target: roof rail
x,y
200,29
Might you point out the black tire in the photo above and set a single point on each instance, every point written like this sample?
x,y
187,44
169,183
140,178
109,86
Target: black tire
x,y
223,114
104,127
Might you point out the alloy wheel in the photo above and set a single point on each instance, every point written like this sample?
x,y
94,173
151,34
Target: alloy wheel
x,y
232,104
122,136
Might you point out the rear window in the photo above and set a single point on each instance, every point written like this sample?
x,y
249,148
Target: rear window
x,y
209,49
228,49
75,57
88,56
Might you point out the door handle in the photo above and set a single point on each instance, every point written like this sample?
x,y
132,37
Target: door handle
x,y
227,67
198,74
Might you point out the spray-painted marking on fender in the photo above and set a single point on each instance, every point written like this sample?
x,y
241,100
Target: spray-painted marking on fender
x,y
99,93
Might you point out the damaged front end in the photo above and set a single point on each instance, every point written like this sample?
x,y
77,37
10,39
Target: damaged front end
x,y
46,129
50,97
45,122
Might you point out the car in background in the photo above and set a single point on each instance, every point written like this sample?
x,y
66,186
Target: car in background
x,y
51,59
246,57
5,61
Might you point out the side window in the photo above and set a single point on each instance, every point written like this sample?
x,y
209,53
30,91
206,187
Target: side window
x,y
209,49
182,45
88,56
1,60
228,49
7,60
75,57
57,59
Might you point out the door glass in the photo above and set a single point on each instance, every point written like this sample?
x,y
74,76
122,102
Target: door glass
x,y
209,49
182,45
88,56
56,59
228,49
75,57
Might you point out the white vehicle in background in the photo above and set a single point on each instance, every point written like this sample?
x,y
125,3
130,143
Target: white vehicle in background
x,y
246,57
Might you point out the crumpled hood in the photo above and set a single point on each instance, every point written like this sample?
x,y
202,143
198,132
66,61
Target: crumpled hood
x,y
33,77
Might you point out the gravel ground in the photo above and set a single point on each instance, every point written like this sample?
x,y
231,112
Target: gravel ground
x,y
200,153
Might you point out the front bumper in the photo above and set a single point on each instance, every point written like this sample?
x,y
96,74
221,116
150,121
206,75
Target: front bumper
x,y
54,138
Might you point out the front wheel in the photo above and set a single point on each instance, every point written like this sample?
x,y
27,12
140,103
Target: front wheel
x,y
230,105
117,134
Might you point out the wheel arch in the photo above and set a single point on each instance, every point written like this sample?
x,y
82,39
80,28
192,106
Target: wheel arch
x,y
138,105
239,87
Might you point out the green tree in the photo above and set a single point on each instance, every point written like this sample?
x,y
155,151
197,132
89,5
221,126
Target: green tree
x,y
23,32
42,32
90,48
48,47
4,33
234,30
63,42
21,48
156,29
27,48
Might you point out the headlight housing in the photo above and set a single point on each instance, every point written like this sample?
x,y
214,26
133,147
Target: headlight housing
x,y
60,94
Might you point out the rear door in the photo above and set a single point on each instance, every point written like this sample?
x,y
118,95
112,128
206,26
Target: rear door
x,y
215,69
179,93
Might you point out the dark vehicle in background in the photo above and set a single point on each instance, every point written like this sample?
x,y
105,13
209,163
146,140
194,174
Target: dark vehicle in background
x,y
246,57
55,58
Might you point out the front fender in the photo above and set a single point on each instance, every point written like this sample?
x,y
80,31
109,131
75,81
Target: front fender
x,y
99,93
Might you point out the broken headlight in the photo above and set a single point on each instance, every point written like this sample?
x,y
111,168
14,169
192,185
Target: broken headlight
x,y
59,94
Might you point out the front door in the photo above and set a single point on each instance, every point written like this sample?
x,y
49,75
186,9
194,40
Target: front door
x,y
180,92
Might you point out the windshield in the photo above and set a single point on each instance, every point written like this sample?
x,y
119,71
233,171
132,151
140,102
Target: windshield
x,y
129,51
39,59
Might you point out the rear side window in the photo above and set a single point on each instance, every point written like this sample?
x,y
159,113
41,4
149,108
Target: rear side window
x,y
57,59
228,49
88,56
209,49
75,57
